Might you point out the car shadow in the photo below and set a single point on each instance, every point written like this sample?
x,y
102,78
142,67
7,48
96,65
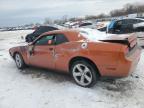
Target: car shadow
x,y
123,86
55,76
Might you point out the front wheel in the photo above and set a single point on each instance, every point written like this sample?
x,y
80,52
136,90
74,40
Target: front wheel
x,y
19,61
84,73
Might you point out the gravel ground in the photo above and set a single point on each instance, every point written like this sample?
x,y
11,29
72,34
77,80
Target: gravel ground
x,y
39,88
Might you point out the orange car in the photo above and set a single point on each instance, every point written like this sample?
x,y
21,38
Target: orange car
x,y
86,54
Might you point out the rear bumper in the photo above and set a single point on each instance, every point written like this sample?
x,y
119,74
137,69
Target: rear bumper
x,y
125,65
129,64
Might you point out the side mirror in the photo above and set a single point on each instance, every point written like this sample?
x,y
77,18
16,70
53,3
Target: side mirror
x,y
49,42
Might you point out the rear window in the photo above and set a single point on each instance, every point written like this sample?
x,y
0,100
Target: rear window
x,y
60,38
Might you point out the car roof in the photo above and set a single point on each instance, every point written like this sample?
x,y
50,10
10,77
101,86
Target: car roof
x,y
47,27
62,31
52,26
71,34
80,34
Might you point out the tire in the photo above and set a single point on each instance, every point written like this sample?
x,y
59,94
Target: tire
x,y
19,61
84,73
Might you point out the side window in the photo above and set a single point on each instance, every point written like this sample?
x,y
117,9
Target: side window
x,y
125,23
60,38
118,25
139,21
134,21
130,21
45,40
85,24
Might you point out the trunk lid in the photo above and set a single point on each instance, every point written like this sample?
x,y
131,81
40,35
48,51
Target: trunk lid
x,y
126,39
94,35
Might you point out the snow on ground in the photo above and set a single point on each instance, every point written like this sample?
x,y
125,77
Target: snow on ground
x,y
39,88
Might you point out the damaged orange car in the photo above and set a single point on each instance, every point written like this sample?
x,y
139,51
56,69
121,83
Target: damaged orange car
x,y
86,54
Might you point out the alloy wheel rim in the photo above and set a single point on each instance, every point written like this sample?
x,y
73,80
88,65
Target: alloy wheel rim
x,y
82,74
18,60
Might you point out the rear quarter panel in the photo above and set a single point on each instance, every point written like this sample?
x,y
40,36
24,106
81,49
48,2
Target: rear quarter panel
x,y
106,56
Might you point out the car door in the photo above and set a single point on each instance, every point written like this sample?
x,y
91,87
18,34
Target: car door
x,y
61,55
42,54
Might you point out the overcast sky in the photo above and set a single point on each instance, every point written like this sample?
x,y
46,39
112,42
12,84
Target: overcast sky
x,y
19,12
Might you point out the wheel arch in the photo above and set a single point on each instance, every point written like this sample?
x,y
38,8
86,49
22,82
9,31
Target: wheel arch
x,y
85,59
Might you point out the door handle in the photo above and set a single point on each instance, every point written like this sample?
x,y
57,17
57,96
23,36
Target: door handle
x,y
50,49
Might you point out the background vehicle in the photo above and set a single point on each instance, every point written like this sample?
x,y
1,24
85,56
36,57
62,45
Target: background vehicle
x,y
128,25
87,25
124,26
39,31
101,26
86,54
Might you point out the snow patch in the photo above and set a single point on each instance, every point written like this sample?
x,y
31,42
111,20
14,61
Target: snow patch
x,y
93,34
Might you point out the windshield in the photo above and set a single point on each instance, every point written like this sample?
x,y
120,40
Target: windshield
x,y
111,25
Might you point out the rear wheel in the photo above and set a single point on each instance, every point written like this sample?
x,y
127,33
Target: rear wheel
x,y
19,61
84,73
